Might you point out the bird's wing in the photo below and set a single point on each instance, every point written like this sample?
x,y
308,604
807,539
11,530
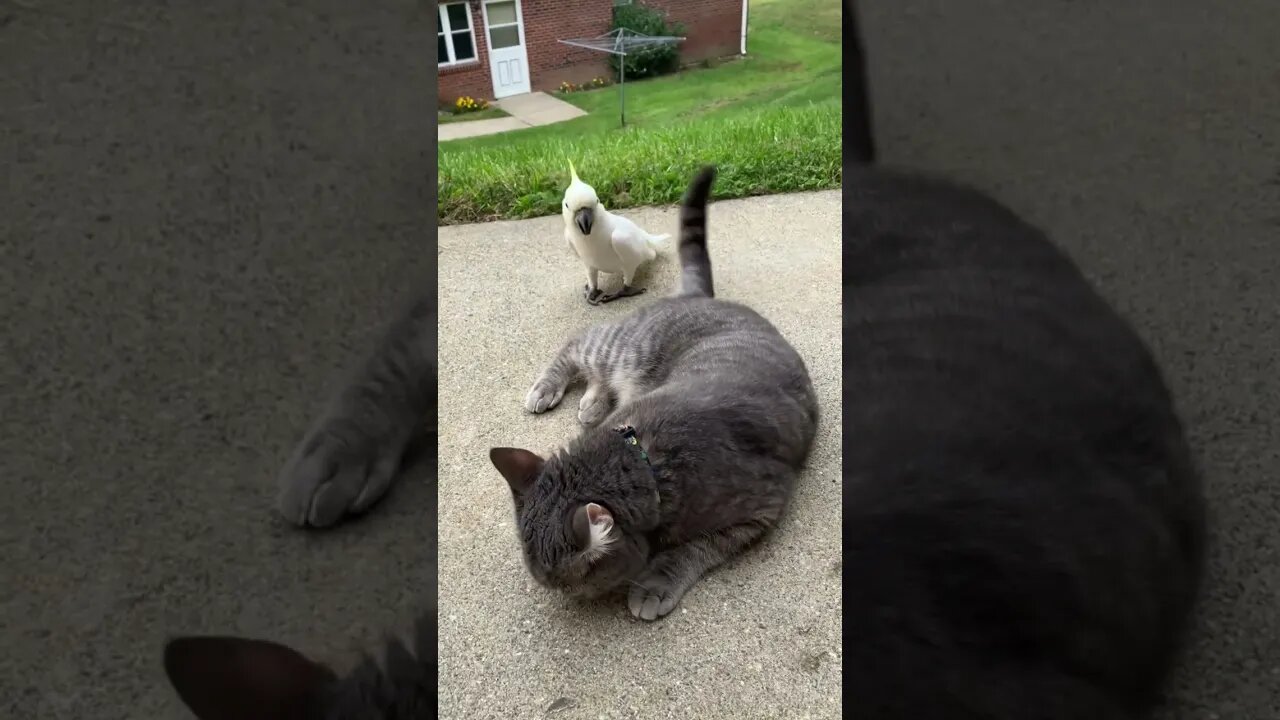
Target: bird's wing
x,y
632,247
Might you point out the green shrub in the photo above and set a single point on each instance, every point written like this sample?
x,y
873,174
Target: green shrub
x,y
646,62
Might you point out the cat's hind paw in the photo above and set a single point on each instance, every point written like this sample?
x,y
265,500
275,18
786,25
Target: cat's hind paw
x,y
331,476
542,397
653,596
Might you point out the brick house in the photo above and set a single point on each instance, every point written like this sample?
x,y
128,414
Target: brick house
x,y
496,48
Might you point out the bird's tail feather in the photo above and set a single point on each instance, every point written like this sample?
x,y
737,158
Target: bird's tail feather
x,y
695,262
653,243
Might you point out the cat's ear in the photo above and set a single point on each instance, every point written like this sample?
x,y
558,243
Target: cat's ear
x,y
592,524
227,678
519,467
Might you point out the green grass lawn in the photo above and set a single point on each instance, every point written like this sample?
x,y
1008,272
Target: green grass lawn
x,y
770,121
486,114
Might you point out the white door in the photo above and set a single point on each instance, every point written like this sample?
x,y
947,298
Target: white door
x,y
508,60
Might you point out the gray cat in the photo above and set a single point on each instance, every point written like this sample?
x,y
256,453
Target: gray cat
x,y
231,678
698,417
380,419
352,454
1024,523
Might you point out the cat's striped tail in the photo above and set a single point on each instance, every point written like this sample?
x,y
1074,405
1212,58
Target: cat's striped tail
x,y
695,263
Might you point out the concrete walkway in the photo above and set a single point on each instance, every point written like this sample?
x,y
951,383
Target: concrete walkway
x,y
528,110
758,638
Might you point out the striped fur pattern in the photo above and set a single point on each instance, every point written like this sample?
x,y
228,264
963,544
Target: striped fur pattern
x,y
723,406
695,263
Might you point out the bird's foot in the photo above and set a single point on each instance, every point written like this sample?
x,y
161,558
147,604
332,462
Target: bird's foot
x,y
592,295
626,291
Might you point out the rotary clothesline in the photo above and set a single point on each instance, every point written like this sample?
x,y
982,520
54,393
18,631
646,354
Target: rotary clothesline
x,y
621,42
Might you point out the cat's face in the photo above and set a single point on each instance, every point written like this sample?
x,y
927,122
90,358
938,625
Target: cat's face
x,y
572,544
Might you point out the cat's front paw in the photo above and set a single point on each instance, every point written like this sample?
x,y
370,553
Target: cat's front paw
x,y
542,397
335,472
654,596
593,406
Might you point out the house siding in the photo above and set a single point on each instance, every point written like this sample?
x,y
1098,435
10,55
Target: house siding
x,y
712,28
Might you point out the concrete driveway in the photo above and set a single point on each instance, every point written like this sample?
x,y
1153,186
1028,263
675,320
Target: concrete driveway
x,y
759,637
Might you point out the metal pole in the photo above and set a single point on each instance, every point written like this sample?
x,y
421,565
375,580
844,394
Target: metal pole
x,y
622,87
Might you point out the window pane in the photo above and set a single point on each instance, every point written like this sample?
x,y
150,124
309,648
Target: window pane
x,y
504,37
502,13
442,50
457,16
463,48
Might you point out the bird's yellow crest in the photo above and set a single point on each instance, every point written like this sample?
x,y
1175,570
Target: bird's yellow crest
x,y
573,173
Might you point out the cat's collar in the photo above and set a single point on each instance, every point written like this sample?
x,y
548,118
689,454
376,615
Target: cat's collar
x,y
628,434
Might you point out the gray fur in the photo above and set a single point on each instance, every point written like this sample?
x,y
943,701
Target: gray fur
x,y
1024,522
352,454
345,463
723,406
229,678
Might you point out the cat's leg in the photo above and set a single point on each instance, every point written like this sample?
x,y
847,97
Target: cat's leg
x,y
353,452
672,572
550,386
595,402
627,385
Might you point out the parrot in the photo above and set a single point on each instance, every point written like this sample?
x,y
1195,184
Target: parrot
x,y
604,241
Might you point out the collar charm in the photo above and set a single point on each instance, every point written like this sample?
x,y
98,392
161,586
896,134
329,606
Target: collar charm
x,y
628,434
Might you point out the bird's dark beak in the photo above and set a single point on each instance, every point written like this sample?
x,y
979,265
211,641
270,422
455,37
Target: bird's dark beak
x,y
583,219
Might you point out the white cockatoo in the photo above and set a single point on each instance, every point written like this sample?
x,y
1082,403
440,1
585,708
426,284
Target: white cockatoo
x,y
605,242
